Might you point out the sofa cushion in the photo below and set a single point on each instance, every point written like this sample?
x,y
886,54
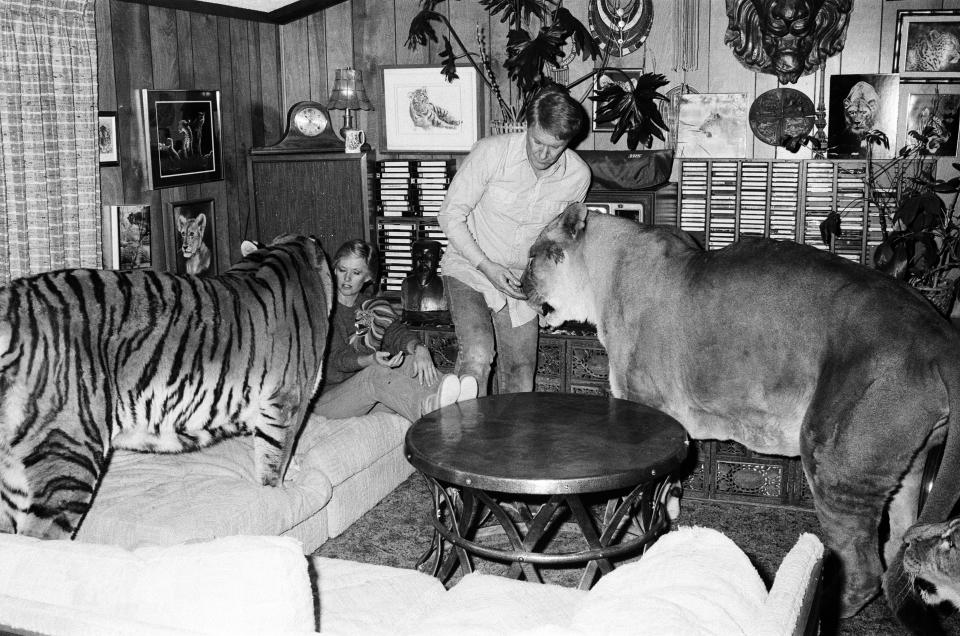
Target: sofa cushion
x,y
148,499
362,598
249,585
691,581
344,447
489,604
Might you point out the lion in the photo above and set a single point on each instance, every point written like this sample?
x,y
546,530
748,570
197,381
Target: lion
x,y
781,347
195,252
860,108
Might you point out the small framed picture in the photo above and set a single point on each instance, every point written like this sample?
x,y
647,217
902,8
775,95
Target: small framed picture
x,y
712,125
128,229
194,229
934,108
182,136
621,76
107,138
927,46
426,113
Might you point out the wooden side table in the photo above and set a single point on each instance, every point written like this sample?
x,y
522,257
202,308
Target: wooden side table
x,y
547,451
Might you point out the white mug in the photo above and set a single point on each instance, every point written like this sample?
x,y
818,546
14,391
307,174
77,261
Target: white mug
x,y
353,139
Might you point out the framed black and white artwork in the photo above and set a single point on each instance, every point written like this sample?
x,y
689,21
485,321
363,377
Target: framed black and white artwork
x,y
426,113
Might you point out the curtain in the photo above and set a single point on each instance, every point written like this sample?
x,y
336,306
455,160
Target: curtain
x,y
49,166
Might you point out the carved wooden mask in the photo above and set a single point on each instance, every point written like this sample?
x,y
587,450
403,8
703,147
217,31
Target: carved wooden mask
x,y
786,38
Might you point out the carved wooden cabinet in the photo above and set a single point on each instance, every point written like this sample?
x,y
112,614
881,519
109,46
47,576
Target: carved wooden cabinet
x,y
717,470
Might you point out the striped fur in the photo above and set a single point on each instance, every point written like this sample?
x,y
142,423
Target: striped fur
x,y
92,360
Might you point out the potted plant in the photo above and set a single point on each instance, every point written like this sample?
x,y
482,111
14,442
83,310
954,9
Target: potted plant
x,y
631,103
918,214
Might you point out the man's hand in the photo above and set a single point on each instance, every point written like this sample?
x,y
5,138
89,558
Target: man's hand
x,y
502,278
423,367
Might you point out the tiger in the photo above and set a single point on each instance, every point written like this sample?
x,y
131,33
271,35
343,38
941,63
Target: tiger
x,y
93,360
426,114
930,570
935,51
195,252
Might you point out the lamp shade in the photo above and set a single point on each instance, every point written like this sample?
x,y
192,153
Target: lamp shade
x,y
348,91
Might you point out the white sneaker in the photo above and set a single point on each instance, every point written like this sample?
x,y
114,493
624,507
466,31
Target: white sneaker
x,y
446,393
468,388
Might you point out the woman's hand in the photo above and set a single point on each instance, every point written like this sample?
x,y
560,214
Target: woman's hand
x,y
423,367
383,358
502,278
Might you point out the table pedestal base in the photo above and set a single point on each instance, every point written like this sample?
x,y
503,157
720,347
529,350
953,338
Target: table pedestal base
x,y
466,516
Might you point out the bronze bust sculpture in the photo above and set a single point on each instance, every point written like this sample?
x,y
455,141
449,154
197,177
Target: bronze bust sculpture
x,y
421,293
786,38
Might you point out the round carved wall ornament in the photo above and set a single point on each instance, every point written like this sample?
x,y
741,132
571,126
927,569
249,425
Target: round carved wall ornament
x,y
780,113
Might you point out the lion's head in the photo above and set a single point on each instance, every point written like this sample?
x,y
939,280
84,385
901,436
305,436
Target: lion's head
x,y
191,233
786,38
554,278
932,561
860,108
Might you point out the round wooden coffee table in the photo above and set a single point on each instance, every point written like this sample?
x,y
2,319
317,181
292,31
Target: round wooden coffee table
x,y
522,463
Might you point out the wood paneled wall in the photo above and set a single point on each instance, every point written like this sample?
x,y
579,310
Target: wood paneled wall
x,y
262,69
371,33
152,47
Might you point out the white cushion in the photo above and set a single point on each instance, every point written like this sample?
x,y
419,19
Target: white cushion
x,y
362,598
344,447
239,585
691,581
151,499
489,604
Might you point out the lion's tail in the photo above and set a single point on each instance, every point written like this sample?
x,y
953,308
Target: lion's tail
x,y
897,584
946,487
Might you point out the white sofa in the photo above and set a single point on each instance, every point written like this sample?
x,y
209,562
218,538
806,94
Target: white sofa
x,y
341,469
692,581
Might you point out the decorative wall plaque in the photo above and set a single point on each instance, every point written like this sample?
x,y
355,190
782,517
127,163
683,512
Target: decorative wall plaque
x,y
620,26
786,38
780,113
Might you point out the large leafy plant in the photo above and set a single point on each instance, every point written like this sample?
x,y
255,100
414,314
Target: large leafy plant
x,y
539,31
920,234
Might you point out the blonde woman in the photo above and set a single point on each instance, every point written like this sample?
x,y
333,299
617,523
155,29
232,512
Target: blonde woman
x,y
372,358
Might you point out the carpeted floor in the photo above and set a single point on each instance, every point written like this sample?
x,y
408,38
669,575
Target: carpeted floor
x,y
397,531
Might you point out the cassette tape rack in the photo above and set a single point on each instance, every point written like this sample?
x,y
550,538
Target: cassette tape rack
x,y
408,195
721,200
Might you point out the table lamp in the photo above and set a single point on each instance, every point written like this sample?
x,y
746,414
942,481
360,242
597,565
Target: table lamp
x,y
348,95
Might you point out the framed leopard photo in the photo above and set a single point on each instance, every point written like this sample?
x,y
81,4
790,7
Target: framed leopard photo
x,y
927,46
426,113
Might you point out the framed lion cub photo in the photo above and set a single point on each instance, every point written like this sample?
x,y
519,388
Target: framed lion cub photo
x,y
193,230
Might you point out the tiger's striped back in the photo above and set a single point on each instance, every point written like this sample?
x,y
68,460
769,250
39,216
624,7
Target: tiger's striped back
x,y
91,360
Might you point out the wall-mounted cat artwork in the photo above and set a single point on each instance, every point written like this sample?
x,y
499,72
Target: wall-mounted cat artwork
x,y
786,38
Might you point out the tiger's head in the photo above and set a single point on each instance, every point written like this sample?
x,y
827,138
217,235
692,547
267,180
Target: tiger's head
x,y
417,96
932,561
191,233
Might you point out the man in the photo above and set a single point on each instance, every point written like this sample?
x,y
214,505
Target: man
x,y
508,188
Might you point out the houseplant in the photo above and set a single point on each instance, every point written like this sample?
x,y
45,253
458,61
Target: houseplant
x,y
529,53
917,213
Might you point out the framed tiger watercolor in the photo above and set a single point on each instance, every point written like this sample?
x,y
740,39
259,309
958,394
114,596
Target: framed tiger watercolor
x,y
181,132
927,46
425,113
194,229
